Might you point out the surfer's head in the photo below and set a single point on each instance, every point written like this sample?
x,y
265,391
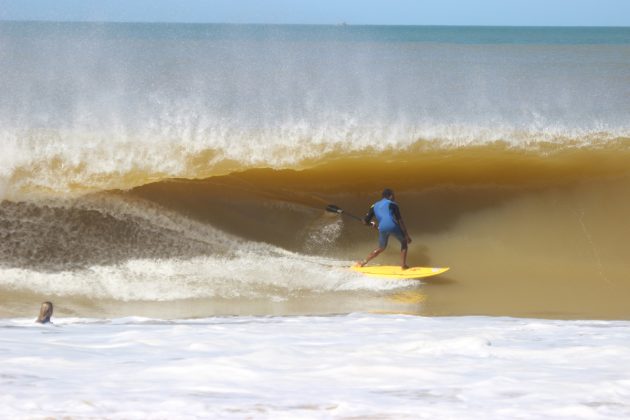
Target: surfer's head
x,y
388,193
45,312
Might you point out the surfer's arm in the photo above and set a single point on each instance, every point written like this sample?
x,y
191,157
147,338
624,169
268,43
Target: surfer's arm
x,y
367,220
399,220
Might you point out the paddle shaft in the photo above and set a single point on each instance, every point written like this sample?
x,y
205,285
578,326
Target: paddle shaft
x,y
334,209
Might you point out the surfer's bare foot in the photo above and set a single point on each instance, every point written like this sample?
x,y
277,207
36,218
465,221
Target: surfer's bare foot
x,y
404,267
360,263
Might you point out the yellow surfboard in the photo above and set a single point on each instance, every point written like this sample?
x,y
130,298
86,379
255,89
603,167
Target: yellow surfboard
x,y
395,272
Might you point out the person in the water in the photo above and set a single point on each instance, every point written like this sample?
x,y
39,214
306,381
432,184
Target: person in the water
x,y
45,313
390,222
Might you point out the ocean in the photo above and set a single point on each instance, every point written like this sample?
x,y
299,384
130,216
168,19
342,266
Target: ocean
x,y
167,182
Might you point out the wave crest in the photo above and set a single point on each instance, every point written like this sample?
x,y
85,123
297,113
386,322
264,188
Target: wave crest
x,y
52,163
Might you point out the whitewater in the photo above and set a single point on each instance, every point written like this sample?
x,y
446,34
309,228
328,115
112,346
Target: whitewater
x,y
350,366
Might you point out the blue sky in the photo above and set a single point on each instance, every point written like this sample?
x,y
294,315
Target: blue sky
x,y
383,12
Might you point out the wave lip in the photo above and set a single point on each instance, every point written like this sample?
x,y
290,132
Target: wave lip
x,y
78,169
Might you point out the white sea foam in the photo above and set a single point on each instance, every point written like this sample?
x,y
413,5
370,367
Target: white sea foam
x,y
73,162
247,274
358,365
200,261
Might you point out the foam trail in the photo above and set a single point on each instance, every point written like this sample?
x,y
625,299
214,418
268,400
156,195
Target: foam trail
x,y
246,275
183,258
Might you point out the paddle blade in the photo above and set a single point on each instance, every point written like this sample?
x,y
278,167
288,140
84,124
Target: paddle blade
x,y
333,209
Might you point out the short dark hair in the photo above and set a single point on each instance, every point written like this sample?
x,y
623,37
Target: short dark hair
x,y
387,192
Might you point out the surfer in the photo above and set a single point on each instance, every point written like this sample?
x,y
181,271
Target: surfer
x,y
45,313
390,222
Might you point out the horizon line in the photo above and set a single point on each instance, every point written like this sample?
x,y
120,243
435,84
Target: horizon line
x,y
339,24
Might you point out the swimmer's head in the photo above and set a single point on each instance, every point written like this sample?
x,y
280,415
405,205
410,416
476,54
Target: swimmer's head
x,y
45,312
